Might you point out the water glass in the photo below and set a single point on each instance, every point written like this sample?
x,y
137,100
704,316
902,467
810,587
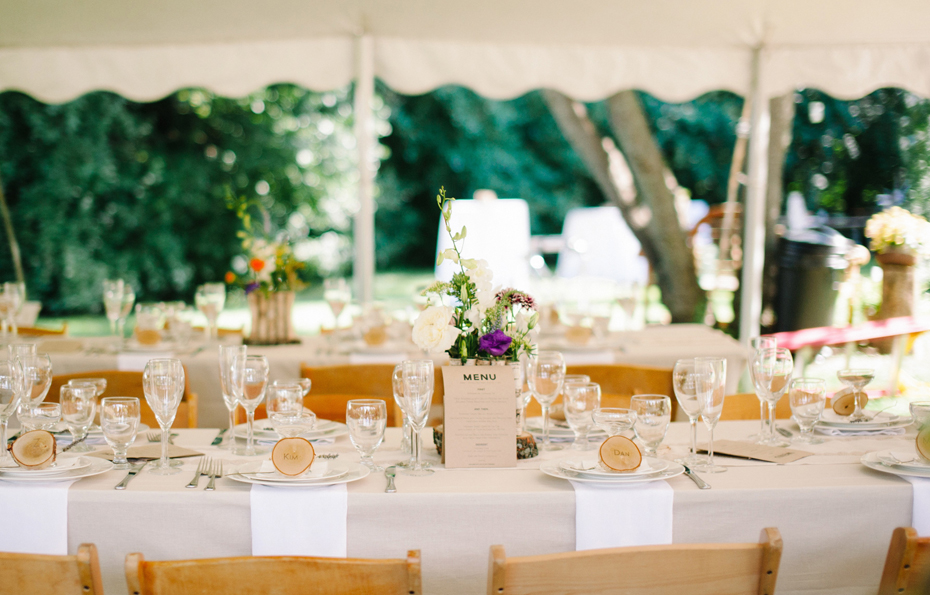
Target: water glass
x,y
690,380
163,384
210,299
20,350
366,419
44,416
770,371
78,408
37,379
11,391
417,399
545,374
150,322
712,405
228,356
287,420
99,384
119,420
580,400
614,420
857,379
757,344
653,414
250,381
807,397
11,300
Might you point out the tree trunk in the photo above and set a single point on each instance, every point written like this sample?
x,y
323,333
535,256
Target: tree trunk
x,y
11,236
635,181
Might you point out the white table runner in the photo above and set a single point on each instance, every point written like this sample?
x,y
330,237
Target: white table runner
x,y
920,518
34,518
631,515
299,521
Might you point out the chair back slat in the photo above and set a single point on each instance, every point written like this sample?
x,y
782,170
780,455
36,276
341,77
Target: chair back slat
x,y
907,566
51,575
746,406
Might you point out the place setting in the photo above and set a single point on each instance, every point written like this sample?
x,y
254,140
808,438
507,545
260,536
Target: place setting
x,y
913,462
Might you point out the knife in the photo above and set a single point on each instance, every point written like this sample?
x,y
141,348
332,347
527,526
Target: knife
x,y
219,438
132,473
697,480
389,473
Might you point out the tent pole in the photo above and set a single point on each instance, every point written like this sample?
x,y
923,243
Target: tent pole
x,y
364,237
754,239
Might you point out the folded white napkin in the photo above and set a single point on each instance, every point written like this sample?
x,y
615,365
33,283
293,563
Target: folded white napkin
x,y
828,431
135,362
625,515
291,521
920,518
35,517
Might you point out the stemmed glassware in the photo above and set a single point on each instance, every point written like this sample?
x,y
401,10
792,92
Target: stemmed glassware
x,y
614,420
417,400
37,378
397,387
545,374
757,344
113,302
210,299
857,379
99,384
580,400
807,397
228,356
690,380
712,394
286,411
78,408
337,294
11,300
771,372
119,420
366,419
163,384
11,391
20,350
250,381
653,414
44,416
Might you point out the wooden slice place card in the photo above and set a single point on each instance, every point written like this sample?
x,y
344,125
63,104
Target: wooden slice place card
x,y
292,456
923,443
34,450
480,417
619,453
846,404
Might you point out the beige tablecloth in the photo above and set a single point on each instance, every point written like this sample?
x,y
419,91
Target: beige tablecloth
x,y
836,516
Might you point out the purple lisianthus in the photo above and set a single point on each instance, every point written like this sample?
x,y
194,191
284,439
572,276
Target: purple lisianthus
x,y
496,343
251,287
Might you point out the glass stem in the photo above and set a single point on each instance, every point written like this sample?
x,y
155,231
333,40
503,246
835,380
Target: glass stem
x,y
710,449
251,421
232,425
3,424
693,436
415,446
164,447
771,417
762,417
545,412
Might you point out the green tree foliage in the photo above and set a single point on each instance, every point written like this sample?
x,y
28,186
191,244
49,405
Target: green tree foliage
x,y
104,187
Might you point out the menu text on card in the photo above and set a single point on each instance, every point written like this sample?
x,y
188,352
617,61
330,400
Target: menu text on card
x,y
479,429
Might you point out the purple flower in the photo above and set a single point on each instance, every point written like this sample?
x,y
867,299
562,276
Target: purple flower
x,y
496,343
251,287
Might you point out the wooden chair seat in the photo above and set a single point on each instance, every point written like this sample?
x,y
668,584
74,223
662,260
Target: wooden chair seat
x,y
334,386
51,575
694,569
275,575
35,331
129,384
746,406
907,567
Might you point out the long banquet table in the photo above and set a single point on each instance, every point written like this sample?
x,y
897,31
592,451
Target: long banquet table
x,y
655,346
835,515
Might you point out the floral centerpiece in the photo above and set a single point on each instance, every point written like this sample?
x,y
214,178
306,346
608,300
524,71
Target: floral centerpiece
x,y
898,230
467,317
269,280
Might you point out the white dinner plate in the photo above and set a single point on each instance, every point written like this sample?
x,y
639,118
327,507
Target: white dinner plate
x,y
553,469
884,419
903,459
62,464
354,472
872,461
96,467
136,347
62,428
590,467
325,429
321,472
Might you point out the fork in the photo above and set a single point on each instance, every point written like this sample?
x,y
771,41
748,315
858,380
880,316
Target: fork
x,y
215,471
202,469
156,437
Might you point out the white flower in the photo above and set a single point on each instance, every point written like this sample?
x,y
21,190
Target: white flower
x,y
474,315
481,276
432,331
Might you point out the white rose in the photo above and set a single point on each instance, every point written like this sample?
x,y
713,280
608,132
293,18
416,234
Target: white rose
x,y
432,331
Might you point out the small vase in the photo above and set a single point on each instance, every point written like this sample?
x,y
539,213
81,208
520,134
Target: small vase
x,y
898,289
271,318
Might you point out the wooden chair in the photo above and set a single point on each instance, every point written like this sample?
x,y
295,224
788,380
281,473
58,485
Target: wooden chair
x,y
51,575
129,384
35,331
746,406
619,382
907,567
695,569
277,575
334,386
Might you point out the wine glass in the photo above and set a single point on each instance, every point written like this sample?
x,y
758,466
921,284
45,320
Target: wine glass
x,y
210,299
545,374
397,387
11,391
712,392
366,419
20,350
653,414
129,298
771,372
119,420
857,379
687,381
100,384
417,400
13,296
78,408
337,294
807,397
113,302
250,381
580,399
228,355
44,416
614,420
163,384
757,344
37,379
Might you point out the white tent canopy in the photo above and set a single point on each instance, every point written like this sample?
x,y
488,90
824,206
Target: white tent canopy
x,y
56,50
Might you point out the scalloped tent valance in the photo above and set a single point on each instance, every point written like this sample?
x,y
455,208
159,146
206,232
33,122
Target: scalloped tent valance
x,y
56,50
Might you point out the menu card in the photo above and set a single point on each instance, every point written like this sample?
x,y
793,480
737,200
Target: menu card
x,y
758,452
479,429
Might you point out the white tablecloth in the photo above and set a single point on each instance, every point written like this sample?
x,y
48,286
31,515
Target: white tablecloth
x,y
835,515
653,346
